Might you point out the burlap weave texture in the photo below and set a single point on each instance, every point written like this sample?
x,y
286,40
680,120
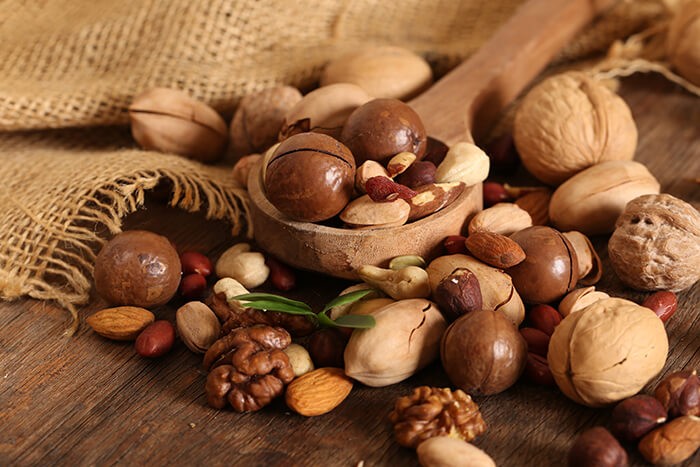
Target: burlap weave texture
x,y
78,63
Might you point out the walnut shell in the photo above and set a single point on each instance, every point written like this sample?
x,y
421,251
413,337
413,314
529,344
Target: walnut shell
x,y
683,43
570,122
592,200
656,244
606,352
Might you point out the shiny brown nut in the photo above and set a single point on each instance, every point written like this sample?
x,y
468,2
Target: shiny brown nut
x,y
673,442
169,120
679,393
435,151
156,340
495,249
663,304
458,293
326,347
550,269
483,353
418,174
596,447
537,341
281,276
137,268
635,417
537,370
431,198
545,318
194,262
455,244
382,128
310,177
193,286
259,117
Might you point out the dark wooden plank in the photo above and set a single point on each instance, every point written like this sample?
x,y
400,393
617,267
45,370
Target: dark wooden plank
x,y
85,400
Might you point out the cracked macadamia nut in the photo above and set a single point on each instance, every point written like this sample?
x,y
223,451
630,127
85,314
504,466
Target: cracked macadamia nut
x,y
570,122
656,244
310,177
606,352
382,128
137,268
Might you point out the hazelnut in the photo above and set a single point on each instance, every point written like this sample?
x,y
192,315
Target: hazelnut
x,y
383,71
418,174
326,347
679,393
596,447
259,117
299,358
634,417
310,177
550,269
656,244
673,442
570,122
137,268
458,293
483,353
382,128
607,352
503,155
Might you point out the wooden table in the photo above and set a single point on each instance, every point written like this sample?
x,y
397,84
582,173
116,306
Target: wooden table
x,y
86,400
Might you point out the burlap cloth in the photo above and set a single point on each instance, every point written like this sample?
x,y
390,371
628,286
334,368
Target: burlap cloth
x,y
69,69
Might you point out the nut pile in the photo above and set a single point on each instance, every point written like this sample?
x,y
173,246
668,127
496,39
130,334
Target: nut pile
x,y
513,297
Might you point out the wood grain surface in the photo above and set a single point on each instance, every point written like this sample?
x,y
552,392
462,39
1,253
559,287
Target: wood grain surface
x,y
88,401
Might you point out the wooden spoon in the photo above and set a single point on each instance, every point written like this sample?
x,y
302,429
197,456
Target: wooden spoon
x,y
461,106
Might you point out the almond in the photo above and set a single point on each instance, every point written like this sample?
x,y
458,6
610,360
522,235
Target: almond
x,y
318,391
122,323
495,249
503,218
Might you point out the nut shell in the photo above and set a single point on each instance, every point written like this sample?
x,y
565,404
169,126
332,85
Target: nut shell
x,y
138,268
607,351
656,244
483,353
683,39
570,122
310,177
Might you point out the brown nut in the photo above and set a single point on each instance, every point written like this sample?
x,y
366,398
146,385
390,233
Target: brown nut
x,y
503,154
382,71
596,447
259,117
679,393
418,174
243,166
458,293
537,370
431,198
122,323
502,218
536,203
545,318
318,391
137,268
156,340
494,193
550,269
483,353
635,417
282,276
494,249
455,244
663,304
197,326
673,442
326,347
323,110
537,341
436,151
170,121
193,286
382,128
194,262
310,177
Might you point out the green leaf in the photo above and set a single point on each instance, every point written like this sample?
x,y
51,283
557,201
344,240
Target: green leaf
x,y
268,297
324,320
356,321
347,298
269,305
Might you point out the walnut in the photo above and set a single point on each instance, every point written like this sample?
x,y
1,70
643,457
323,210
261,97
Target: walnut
x,y
656,244
683,43
235,315
250,368
430,412
259,118
570,122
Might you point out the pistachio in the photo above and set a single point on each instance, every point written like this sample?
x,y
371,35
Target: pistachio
x,y
408,282
464,162
197,326
169,120
502,218
405,338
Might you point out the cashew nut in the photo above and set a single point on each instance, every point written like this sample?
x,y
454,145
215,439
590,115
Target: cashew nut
x,y
247,267
409,282
464,162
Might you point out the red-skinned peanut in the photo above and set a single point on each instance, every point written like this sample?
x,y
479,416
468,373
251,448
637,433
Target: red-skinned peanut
x,y
156,340
663,304
454,244
193,286
537,341
494,193
537,370
194,262
282,276
544,317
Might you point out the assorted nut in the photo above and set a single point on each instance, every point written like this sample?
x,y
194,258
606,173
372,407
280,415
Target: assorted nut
x,y
663,304
243,265
300,359
155,340
679,393
458,294
197,326
444,451
318,391
123,323
495,249
579,299
503,218
464,162
635,417
596,447
399,284
673,442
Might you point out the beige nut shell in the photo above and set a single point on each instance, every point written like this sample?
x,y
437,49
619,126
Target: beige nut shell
x,y
656,244
683,39
592,200
570,122
606,352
